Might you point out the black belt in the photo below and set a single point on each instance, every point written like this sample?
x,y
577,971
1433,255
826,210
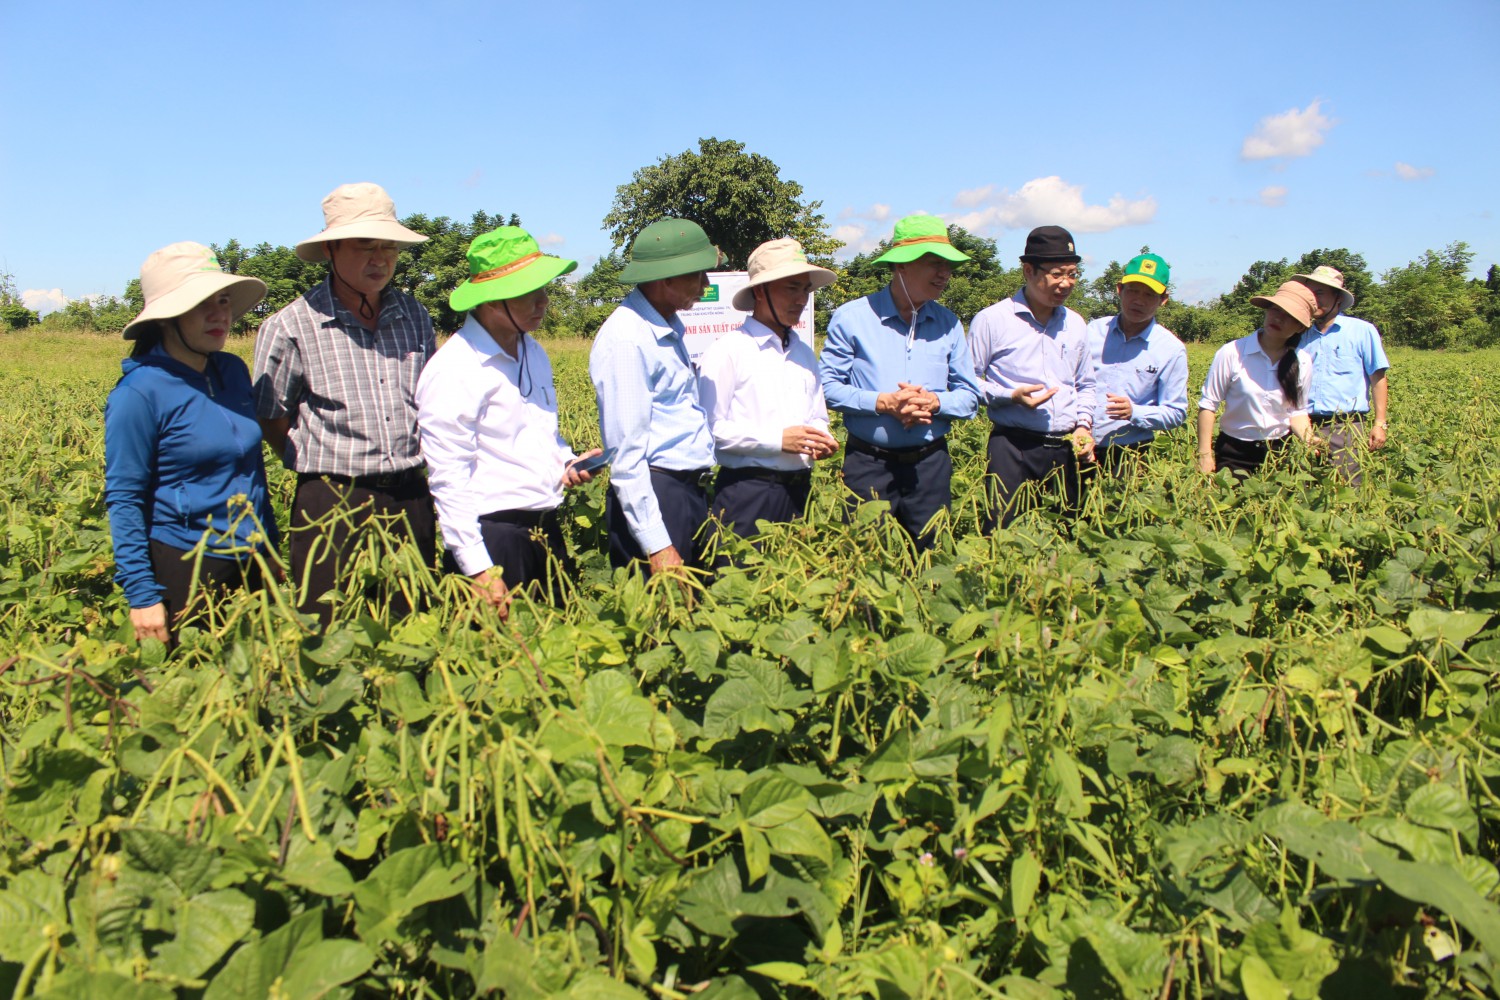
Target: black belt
x,y
1337,418
1034,438
787,477
1262,447
693,477
901,456
524,518
376,481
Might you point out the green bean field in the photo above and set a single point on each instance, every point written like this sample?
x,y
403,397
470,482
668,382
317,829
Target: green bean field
x,y
1204,740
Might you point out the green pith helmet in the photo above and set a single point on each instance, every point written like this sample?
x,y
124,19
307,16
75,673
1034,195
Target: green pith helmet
x,y
916,235
506,263
668,248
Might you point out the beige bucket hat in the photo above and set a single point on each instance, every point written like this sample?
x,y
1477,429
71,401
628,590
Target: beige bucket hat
x,y
357,212
1293,298
1330,277
176,278
774,260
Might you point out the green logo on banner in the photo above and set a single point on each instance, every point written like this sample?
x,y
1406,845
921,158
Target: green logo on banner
x,y
712,295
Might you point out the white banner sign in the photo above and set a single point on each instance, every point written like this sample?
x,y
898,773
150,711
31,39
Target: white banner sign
x,y
713,316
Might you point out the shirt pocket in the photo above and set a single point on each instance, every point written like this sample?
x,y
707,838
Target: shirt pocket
x,y
927,365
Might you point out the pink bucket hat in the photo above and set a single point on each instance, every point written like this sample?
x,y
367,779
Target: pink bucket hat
x,y
1294,298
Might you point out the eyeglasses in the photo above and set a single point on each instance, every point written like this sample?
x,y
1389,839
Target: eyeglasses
x,y
1062,273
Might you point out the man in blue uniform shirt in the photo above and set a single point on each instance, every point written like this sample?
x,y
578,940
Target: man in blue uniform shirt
x,y
1140,368
1349,366
1031,355
649,411
896,365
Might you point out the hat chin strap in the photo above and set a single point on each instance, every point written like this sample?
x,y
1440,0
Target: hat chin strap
x,y
182,341
783,327
523,374
366,310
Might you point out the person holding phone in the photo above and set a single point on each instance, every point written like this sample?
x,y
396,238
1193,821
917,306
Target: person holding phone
x,y
487,416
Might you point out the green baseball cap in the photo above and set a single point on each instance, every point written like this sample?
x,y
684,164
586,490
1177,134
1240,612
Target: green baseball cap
x,y
667,249
917,235
506,263
1150,270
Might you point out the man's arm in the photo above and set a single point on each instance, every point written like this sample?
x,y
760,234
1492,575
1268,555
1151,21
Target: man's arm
x,y
1380,428
960,400
623,387
276,382
275,430
1170,410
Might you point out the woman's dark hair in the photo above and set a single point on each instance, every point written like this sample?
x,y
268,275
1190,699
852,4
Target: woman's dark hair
x,y
1289,371
147,336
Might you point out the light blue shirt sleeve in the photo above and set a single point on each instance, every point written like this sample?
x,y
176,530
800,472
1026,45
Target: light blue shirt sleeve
x,y
622,385
1170,409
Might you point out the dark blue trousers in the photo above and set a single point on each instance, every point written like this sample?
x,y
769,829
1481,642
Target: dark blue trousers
x,y
916,485
744,496
683,500
1018,457
521,542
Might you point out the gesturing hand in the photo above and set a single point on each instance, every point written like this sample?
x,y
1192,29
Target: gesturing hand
x,y
804,439
1032,395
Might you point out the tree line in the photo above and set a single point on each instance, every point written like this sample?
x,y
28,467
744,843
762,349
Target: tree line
x,y
741,201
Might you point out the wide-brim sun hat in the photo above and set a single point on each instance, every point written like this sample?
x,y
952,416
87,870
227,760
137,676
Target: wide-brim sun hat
x,y
360,211
774,260
1331,277
503,264
1150,270
1293,298
918,235
667,249
176,278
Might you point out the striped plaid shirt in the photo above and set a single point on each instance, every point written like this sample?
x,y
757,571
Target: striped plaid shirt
x,y
349,392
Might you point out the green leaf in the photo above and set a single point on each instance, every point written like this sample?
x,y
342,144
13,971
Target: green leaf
x,y
700,650
506,966
402,696
190,867
1173,761
1299,959
735,707
1025,879
208,925
312,866
1259,982
771,799
914,655
75,983
801,836
32,900
614,707
295,959
405,880
1443,887
1453,627
1385,638
1443,807
44,792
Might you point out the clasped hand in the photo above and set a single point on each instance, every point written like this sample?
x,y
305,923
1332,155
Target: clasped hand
x,y
911,404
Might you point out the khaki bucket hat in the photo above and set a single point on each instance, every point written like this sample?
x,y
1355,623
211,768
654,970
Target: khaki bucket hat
x,y
774,260
1330,277
176,278
1293,298
357,212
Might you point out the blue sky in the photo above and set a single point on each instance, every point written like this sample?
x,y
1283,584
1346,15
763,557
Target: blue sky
x,y
1217,133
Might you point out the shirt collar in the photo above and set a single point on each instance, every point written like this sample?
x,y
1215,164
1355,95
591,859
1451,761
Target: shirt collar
x,y
760,332
884,304
479,339
1144,335
1255,347
637,303
334,311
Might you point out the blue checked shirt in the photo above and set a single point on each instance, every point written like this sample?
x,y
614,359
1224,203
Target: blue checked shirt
x,y
866,354
349,392
1012,348
1344,359
649,410
1149,369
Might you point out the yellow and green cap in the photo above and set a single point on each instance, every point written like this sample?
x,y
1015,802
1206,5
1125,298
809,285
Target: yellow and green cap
x,y
917,235
503,264
1150,270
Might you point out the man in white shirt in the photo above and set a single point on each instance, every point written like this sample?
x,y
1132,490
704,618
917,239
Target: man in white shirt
x,y
759,385
487,413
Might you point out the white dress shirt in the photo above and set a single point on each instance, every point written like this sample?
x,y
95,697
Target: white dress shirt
x,y
753,389
1243,378
488,447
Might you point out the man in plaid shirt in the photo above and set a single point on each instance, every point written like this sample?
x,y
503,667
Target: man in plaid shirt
x,y
335,381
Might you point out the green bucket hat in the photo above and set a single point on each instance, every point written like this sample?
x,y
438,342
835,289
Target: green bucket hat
x,y
504,264
917,235
1150,270
668,248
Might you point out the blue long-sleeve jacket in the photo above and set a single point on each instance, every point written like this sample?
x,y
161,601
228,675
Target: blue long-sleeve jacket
x,y
178,445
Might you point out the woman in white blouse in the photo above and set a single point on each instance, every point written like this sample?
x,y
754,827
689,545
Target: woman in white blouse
x,y
1262,380
487,413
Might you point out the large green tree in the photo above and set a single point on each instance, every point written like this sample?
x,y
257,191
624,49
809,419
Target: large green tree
x,y
1431,302
738,197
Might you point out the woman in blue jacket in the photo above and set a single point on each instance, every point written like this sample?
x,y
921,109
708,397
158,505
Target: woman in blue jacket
x,y
182,453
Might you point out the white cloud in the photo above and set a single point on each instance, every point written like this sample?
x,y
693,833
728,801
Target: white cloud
x,y
1048,201
43,300
1407,172
1291,133
1273,196
552,240
875,213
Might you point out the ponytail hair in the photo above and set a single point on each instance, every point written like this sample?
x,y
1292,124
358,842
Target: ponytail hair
x,y
1289,371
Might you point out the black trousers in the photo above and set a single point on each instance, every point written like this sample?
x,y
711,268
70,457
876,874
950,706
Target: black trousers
x,y
1244,458
744,496
916,483
322,545
173,569
522,544
1018,457
683,500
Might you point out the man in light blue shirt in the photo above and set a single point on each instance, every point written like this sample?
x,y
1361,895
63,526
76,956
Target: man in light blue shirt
x,y
649,411
1140,368
1349,366
895,363
1031,355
